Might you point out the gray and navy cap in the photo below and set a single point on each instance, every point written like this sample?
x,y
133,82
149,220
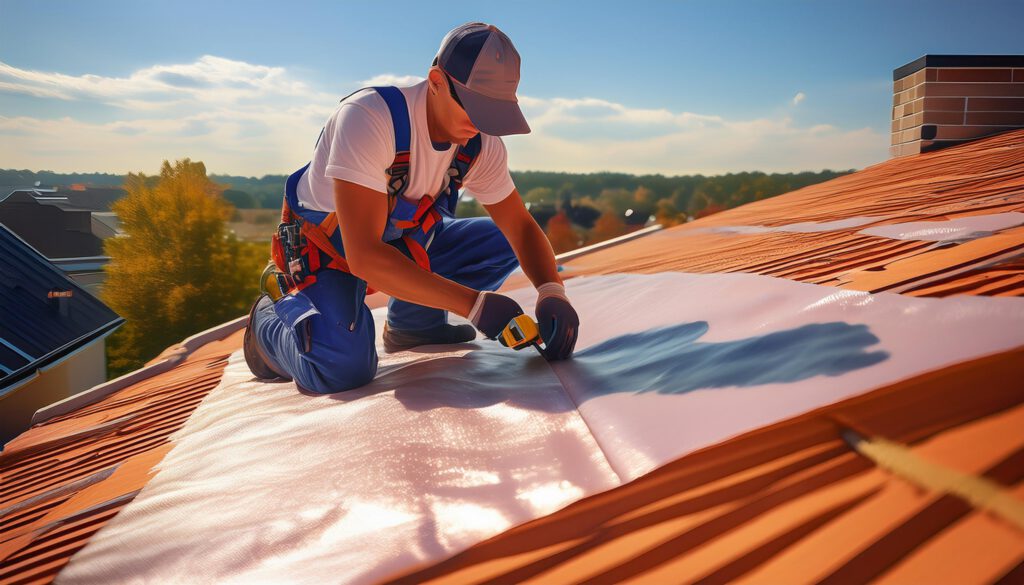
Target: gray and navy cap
x,y
485,67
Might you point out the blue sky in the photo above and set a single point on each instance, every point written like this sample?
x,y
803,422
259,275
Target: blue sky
x,y
671,87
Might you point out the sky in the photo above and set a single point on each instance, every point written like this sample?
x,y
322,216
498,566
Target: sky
x,y
640,87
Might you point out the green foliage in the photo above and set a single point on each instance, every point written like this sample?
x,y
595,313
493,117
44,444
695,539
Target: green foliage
x,y
469,208
176,272
266,192
240,199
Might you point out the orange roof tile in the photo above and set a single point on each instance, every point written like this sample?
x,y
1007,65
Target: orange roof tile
x,y
63,479
981,177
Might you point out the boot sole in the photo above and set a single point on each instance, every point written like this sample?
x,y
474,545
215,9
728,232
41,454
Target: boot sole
x,y
253,357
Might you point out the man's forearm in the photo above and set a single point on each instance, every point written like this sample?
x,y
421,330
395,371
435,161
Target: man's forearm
x,y
388,270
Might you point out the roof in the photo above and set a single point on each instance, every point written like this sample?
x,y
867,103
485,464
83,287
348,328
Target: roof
x,y
85,199
768,393
53,230
44,315
8,190
63,480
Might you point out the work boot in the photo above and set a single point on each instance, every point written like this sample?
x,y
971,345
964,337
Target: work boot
x,y
254,356
397,339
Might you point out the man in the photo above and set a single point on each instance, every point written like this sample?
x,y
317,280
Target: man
x,y
387,163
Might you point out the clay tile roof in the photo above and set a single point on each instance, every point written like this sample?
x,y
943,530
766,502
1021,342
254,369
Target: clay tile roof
x,y
64,478
916,481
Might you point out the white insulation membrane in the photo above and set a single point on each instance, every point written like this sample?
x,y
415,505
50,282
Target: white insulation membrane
x,y
451,445
958,229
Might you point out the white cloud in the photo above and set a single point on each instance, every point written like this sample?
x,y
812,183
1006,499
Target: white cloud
x,y
243,118
799,97
391,79
212,80
590,135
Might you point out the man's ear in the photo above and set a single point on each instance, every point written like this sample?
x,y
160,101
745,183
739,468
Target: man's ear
x,y
436,80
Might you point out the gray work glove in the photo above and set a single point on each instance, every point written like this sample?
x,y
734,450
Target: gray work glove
x,y
557,321
492,312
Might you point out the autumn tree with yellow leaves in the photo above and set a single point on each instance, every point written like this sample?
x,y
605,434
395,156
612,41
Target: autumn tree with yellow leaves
x,y
176,271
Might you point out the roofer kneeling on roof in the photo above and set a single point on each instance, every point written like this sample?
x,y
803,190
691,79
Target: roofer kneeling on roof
x,y
375,210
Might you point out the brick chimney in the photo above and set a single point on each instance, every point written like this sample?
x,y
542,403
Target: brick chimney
x,y
941,100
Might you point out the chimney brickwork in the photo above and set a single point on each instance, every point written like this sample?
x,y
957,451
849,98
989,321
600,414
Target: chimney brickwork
x,y
942,100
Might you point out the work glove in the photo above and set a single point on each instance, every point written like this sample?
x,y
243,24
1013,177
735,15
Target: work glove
x,y
492,312
557,321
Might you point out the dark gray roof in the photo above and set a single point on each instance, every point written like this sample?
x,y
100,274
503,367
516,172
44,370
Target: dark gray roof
x,y
35,329
56,232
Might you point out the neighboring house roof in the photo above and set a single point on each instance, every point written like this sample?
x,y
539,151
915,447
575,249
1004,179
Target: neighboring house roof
x,y
913,477
8,190
56,232
35,329
85,199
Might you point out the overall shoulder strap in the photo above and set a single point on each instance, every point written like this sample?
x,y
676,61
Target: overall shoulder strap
x,y
398,172
461,164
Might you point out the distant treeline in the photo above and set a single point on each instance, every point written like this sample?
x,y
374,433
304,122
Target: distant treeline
x,y
583,197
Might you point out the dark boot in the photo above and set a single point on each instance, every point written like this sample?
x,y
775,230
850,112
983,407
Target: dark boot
x,y
397,340
254,358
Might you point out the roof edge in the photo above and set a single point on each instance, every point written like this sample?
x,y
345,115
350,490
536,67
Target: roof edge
x,y
101,391
571,254
31,370
957,61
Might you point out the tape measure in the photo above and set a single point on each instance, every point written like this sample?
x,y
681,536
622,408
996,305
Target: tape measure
x,y
520,332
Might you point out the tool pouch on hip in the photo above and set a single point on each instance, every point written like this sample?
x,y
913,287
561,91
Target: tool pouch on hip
x,y
287,247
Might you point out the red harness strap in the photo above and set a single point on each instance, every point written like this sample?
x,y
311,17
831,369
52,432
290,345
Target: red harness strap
x,y
425,216
318,237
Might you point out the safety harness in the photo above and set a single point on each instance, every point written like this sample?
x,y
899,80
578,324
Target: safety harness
x,y
305,235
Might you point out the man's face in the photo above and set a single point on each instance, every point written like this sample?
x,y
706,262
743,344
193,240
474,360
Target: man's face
x,y
452,116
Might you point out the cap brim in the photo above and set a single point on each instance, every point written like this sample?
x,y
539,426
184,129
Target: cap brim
x,y
492,116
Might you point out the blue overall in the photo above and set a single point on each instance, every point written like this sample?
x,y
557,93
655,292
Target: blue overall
x,y
323,335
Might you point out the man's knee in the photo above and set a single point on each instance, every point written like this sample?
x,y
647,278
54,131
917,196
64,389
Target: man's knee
x,y
339,375
337,359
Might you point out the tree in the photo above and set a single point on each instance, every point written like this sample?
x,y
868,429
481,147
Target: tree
x,y
240,199
667,214
540,195
560,233
608,226
468,207
177,272
644,202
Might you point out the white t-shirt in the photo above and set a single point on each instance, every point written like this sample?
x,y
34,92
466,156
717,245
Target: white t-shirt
x,y
358,145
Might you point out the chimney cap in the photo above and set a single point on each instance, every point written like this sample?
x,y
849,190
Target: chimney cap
x,y
957,61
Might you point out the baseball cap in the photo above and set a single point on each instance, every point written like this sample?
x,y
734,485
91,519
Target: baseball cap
x,y
485,67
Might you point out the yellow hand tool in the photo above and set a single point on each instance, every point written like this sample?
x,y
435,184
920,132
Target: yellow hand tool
x,y
272,283
520,332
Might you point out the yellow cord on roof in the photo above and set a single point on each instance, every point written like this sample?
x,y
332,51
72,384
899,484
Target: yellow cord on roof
x,y
980,492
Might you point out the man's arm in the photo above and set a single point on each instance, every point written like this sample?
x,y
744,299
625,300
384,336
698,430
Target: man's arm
x,y
362,216
528,241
